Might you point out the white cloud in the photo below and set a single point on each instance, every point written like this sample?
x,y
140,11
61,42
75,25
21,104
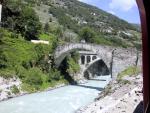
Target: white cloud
x,y
124,5
112,12
82,0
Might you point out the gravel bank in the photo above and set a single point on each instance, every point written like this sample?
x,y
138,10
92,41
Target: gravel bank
x,y
123,98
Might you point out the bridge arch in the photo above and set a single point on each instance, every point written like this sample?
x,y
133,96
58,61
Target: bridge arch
x,y
103,52
100,69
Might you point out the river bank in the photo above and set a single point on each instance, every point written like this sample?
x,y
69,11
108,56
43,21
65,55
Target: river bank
x,y
6,86
119,98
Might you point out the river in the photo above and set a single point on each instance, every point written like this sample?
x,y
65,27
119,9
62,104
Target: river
x,y
66,99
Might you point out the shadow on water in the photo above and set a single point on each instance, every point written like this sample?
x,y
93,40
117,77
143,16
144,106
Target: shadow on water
x,y
97,79
90,87
63,69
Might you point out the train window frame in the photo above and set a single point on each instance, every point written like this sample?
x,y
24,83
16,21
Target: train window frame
x,y
144,16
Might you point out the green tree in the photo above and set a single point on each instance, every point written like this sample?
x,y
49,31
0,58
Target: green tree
x,y
30,22
59,32
50,19
54,75
21,19
46,28
87,34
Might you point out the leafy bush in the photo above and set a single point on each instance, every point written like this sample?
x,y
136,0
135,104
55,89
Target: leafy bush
x,y
76,56
34,77
52,41
21,72
73,67
14,89
54,75
87,34
123,82
7,73
28,88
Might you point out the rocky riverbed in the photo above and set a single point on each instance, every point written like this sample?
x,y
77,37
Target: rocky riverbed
x,y
118,98
6,86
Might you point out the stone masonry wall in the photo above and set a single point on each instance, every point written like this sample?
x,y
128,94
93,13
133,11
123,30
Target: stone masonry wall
x,y
124,58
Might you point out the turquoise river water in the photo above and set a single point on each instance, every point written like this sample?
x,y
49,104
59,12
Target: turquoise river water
x,y
66,99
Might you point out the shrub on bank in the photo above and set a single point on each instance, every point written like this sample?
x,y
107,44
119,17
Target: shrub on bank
x,y
7,73
15,90
73,67
130,71
54,75
123,82
34,77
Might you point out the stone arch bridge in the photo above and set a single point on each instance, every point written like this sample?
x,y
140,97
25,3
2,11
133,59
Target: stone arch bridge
x,y
103,52
115,59
89,54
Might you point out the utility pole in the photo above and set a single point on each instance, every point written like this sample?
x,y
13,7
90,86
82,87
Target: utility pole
x,y
111,64
137,58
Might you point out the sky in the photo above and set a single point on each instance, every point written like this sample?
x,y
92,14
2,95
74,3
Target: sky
x,y
124,9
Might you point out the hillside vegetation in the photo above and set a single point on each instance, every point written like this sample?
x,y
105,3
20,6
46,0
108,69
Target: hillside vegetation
x,y
72,14
29,62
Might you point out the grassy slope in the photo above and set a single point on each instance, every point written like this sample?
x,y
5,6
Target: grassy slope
x,y
24,59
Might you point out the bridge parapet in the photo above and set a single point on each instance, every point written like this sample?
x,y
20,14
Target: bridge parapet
x,y
85,46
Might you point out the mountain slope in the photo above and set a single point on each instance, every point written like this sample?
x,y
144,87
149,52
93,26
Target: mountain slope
x,y
75,15
87,15
68,18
